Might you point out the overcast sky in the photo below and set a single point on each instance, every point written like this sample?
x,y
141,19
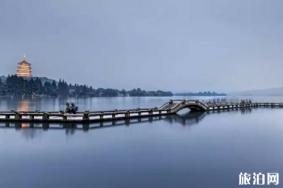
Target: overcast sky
x,y
177,45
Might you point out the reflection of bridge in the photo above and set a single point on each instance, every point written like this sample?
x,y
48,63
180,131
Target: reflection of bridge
x,y
185,120
172,107
190,118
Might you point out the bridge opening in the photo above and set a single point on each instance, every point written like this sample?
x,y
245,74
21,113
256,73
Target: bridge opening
x,y
190,108
184,111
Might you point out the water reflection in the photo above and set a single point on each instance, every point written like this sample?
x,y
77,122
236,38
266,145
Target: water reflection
x,y
29,130
24,106
246,111
190,118
32,130
189,148
24,128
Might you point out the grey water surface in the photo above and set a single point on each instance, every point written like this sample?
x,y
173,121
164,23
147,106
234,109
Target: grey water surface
x,y
196,150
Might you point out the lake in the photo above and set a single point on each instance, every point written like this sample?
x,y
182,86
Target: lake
x,y
195,150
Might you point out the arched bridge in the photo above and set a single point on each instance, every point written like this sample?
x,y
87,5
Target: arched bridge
x,y
174,106
171,107
177,105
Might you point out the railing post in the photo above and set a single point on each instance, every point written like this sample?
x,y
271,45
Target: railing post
x,y
86,116
45,116
169,111
150,112
64,117
17,116
127,115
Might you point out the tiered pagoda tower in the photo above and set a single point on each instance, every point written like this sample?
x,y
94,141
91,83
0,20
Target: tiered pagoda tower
x,y
24,69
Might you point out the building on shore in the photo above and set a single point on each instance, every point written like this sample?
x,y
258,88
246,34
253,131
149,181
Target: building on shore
x,y
24,69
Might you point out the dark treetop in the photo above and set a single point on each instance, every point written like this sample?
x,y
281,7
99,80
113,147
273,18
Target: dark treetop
x,y
37,86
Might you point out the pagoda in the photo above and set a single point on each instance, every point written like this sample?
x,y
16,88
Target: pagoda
x,y
24,69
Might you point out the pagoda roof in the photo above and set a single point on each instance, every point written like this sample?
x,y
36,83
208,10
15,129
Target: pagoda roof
x,y
24,62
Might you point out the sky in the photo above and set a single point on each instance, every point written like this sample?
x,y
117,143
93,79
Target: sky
x,y
176,45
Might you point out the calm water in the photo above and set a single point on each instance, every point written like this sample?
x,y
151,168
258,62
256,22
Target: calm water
x,y
189,150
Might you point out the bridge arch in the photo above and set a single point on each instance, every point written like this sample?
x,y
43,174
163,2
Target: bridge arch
x,y
193,106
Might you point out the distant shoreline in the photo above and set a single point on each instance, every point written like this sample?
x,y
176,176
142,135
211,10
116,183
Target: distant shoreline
x,y
81,97
41,87
201,94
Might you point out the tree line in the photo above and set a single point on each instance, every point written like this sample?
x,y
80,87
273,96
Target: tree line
x,y
204,93
13,85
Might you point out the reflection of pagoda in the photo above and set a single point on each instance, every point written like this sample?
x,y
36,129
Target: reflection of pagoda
x,y
24,69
